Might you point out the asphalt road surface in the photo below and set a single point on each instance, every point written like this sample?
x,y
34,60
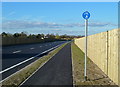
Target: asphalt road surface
x,y
56,72
12,55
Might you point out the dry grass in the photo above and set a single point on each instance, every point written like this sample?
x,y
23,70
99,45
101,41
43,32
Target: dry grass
x,y
94,75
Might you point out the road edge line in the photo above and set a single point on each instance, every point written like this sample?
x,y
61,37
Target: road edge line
x,y
30,63
26,60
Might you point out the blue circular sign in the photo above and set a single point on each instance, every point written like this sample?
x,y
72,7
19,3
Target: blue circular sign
x,y
86,15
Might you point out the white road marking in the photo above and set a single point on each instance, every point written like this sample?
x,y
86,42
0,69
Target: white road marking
x,y
24,62
32,48
28,59
17,51
36,70
16,65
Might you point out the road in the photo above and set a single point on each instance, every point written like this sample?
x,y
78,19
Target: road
x,y
57,71
12,55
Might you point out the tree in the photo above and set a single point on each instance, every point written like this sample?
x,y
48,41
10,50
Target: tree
x,y
38,36
57,36
42,35
4,34
23,34
16,35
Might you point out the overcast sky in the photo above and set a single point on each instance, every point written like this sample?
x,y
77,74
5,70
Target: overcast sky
x,y
58,17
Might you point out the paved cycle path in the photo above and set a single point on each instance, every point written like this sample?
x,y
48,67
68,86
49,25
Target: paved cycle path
x,y
57,71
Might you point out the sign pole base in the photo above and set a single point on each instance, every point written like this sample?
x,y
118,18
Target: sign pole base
x,y
85,78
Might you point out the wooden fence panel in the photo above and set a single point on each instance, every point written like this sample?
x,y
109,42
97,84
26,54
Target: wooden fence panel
x,y
103,50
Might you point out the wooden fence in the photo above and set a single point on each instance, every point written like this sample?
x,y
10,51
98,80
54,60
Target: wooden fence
x,y
103,51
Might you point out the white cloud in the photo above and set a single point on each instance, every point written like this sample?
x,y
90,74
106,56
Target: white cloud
x,y
18,24
56,29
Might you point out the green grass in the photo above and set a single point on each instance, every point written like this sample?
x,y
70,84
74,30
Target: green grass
x,y
18,78
78,64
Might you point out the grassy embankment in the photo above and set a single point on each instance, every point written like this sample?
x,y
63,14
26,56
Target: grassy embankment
x,y
18,78
94,74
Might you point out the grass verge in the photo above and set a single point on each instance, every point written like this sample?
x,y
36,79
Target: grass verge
x,y
18,78
94,75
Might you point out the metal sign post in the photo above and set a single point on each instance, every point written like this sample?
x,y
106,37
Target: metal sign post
x,y
86,16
